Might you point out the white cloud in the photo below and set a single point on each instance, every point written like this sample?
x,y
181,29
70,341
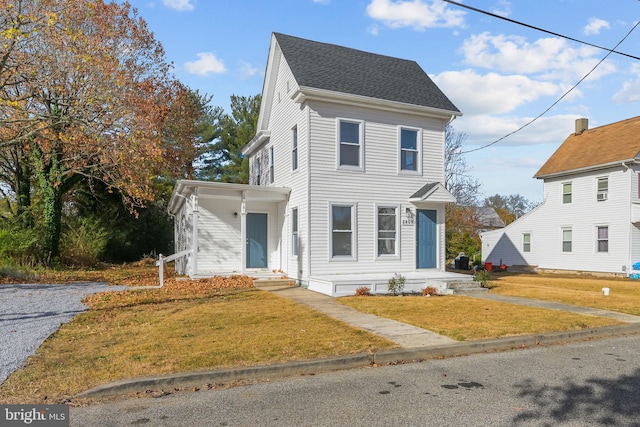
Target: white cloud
x,y
180,5
374,30
503,8
630,91
206,64
551,58
594,26
417,14
322,1
492,93
248,70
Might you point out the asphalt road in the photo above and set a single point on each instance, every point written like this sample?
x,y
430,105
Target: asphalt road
x,y
594,383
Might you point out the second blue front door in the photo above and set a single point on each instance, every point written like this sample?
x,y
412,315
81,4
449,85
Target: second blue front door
x,y
256,240
426,239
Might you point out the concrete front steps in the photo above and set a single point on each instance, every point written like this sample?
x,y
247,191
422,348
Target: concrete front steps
x,y
466,287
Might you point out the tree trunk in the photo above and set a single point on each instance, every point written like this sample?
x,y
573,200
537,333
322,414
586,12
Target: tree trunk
x,y
49,174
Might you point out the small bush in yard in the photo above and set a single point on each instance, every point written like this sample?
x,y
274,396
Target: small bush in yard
x,y
484,277
363,291
429,290
395,285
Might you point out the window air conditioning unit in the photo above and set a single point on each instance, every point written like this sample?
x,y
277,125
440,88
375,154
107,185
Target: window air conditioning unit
x,y
602,196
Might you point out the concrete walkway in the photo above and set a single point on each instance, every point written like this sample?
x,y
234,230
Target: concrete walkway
x,y
407,336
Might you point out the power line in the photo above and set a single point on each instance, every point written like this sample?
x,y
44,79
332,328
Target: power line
x,y
541,29
610,51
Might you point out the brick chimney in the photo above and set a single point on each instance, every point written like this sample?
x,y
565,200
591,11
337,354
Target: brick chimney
x,y
581,125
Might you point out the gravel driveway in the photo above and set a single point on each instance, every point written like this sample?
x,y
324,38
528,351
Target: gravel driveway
x,y
30,313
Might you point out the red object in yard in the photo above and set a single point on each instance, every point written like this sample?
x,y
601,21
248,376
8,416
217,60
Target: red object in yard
x,y
488,266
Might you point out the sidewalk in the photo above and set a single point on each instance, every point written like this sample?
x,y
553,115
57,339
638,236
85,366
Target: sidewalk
x,y
416,344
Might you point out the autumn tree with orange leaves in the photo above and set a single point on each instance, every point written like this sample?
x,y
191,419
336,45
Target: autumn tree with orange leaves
x,y
87,95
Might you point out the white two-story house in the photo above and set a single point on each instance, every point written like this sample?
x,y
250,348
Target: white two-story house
x,y
590,218
346,173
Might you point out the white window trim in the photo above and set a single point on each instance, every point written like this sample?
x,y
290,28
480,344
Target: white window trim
x,y
562,230
396,255
562,193
272,165
598,239
295,150
605,193
295,237
418,170
523,242
360,124
354,236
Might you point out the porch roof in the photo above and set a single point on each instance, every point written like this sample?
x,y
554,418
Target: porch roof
x,y
224,190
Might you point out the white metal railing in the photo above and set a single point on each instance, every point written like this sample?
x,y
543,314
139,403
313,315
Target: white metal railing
x,y
162,260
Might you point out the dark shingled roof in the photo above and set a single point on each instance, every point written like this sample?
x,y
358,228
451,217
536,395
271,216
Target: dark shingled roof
x,y
341,69
424,190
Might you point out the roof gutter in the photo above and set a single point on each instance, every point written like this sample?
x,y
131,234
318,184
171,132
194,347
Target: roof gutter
x,y
624,163
306,93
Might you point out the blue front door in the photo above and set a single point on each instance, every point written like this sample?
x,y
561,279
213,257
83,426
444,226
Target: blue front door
x,y
426,239
256,240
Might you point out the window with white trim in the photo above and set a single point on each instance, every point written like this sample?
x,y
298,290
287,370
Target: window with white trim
x,y
526,242
409,149
294,148
272,171
342,231
567,239
603,189
258,168
387,229
294,232
602,238
350,143
566,192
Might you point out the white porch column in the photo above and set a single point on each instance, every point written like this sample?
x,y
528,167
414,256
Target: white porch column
x,y
194,264
243,231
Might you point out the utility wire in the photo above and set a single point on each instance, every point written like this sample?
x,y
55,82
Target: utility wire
x,y
541,29
559,99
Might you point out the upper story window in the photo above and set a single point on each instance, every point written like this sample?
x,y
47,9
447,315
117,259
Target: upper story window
x,y
567,240
566,192
294,148
350,144
258,169
603,189
272,161
409,149
526,242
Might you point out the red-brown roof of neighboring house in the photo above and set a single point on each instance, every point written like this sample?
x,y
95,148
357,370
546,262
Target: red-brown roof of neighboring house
x,y
608,144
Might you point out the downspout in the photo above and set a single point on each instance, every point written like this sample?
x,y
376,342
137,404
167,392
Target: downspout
x,y
308,248
194,268
243,233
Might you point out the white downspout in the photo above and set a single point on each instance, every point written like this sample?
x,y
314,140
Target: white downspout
x,y
243,233
194,268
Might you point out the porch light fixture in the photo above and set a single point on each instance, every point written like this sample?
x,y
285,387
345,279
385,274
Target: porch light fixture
x,y
235,214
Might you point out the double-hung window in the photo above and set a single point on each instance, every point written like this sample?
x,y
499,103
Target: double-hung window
x,y
258,169
409,149
567,239
526,242
342,231
350,144
294,148
294,232
603,238
566,192
603,189
272,171
387,230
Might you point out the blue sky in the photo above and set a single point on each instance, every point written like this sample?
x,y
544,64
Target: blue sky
x,y
499,74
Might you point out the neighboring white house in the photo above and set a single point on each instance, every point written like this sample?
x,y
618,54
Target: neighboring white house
x,y
590,218
346,173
